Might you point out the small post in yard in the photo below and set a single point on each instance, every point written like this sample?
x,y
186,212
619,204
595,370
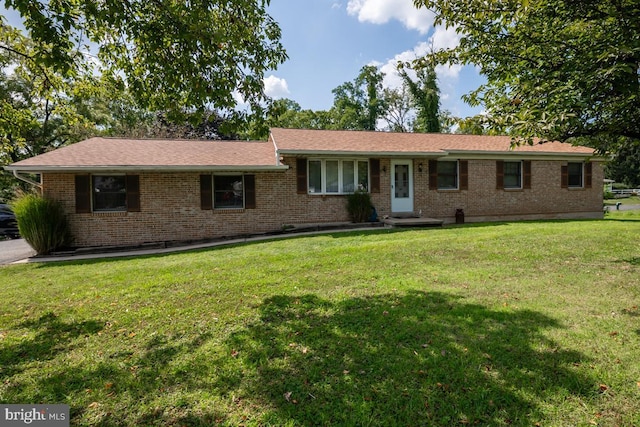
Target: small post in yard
x,y
459,216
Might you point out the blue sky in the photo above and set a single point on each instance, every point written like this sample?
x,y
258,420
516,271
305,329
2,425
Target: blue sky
x,y
329,41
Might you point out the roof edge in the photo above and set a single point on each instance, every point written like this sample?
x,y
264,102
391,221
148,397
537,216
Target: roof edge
x,y
116,168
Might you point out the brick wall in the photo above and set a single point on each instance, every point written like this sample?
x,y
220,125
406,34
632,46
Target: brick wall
x,y
170,204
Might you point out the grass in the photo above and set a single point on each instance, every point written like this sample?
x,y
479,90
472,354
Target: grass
x,y
532,323
631,200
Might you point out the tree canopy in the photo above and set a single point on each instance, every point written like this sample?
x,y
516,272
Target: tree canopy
x,y
425,95
556,69
175,55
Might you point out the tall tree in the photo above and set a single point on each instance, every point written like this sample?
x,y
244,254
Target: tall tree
x,y
359,104
426,98
399,107
178,56
557,69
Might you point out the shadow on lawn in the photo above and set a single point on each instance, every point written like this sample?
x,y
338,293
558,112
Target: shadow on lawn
x,y
414,359
52,337
420,358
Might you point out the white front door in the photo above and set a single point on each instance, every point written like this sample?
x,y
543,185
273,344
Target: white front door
x,y
401,186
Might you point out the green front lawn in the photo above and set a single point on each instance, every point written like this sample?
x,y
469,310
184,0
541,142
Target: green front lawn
x,y
533,323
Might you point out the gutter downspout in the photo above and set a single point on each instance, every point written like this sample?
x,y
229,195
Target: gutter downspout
x,y
27,180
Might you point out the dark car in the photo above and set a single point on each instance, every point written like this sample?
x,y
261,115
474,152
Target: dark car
x,y
8,223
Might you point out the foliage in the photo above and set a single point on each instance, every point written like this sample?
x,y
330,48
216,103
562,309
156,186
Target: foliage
x,y
286,113
425,96
176,56
488,324
42,223
560,70
398,114
39,109
359,206
624,166
358,105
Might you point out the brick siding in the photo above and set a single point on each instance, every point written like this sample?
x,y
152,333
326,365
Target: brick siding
x,y
170,203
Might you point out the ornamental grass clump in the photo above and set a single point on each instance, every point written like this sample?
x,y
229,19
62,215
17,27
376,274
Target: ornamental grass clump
x,y
42,223
359,206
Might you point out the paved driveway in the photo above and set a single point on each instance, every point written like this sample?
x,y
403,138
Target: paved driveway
x,y
14,250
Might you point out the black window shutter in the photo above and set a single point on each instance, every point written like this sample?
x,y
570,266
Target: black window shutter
x,y
133,193
374,164
250,191
588,175
301,175
464,175
433,174
564,180
206,192
499,174
83,194
526,174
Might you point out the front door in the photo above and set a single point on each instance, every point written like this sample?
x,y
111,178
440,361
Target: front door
x,y
401,186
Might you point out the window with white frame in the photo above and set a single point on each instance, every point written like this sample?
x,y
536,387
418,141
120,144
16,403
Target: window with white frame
x,y
574,174
337,176
447,175
512,174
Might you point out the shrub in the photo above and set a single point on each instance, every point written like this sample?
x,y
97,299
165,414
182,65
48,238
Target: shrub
x,y
41,222
359,206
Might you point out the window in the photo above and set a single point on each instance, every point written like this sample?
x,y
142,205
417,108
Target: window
x,y
109,193
574,174
337,176
228,192
447,175
512,175
577,175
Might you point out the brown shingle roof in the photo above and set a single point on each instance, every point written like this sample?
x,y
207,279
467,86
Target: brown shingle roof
x,y
115,153
336,141
157,154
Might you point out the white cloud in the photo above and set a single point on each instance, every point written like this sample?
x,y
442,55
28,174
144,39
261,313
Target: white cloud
x,y
448,76
382,11
442,38
276,87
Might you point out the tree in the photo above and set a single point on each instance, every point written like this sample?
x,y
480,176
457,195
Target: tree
x,y
399,107
38,108
624,167
358,105
176,56
425,97
286,113
557,69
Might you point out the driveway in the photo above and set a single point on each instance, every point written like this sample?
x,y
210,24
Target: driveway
x,y
14,250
